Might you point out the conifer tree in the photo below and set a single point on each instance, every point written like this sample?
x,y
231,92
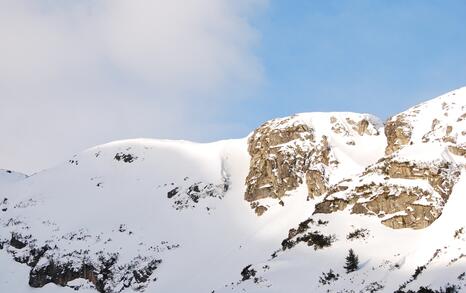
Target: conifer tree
x,y
352,262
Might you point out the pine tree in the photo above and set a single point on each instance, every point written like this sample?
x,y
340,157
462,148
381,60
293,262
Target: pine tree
x,y
352,262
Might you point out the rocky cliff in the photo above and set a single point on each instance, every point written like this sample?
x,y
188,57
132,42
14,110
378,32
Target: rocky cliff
x,y
414,189
408,185
288,152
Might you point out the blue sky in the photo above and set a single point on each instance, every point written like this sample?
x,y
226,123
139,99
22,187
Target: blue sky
x,y
74,74
364,56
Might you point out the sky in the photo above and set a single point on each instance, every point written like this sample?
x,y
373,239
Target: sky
x,y
74,74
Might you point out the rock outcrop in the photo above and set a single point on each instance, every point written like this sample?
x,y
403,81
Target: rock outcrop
x,y
410,185
288,152
441,120
317,183
459,150
406,188
105,270
398,132
278,158
403,193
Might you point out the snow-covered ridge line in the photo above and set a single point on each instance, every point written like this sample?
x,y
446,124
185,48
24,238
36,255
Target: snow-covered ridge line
x,y
175,216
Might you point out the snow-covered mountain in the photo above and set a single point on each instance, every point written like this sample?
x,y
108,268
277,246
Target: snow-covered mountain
x,y
277,211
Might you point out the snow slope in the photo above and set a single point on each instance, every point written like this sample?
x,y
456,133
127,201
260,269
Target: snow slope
x,y
95,203
8,176
389,258
171,216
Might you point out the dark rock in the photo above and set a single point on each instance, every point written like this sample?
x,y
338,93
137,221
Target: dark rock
x,y
247,273
127,158
17,242
62,274
172,192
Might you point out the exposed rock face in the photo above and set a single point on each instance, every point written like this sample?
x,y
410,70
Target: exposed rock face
x,y
441,176
317,183
61,275
401,189
410,185
104,275
414,202
50,263
275,168
287,152
17,241
126,158
186,196
398,132
458,150
437,121
363,127
419,217
260,210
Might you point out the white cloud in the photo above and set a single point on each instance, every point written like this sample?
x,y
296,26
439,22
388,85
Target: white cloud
x,y
77,73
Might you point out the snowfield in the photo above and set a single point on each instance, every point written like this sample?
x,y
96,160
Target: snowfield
x,y
171,216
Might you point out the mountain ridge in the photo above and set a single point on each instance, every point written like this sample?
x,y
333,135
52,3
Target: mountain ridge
x,y
251,214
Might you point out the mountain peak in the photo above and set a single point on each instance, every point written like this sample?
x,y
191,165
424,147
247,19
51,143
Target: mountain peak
x,y
275,211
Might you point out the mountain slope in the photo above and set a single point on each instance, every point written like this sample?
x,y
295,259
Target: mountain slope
x,y
417,184
273,212
8,176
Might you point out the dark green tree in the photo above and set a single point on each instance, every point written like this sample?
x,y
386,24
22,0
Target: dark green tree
x,y
352,262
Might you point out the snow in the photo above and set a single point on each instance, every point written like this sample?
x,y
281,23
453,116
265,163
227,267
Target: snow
x,y
13,276
114,199
64,204
336,126
9,177
447,109
388,257
424,153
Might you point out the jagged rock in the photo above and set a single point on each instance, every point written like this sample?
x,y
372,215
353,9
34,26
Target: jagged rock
x,y
275,170
288,151
17,241
363,127
173,192
248,273
188,196
402,204
126,158
418,217
52,263
375,193
458,150
437,175
260,210
436,121
398,132
61,275
317,183
331,206
104,274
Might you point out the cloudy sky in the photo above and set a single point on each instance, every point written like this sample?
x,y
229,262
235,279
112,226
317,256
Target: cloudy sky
x,y
74,74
